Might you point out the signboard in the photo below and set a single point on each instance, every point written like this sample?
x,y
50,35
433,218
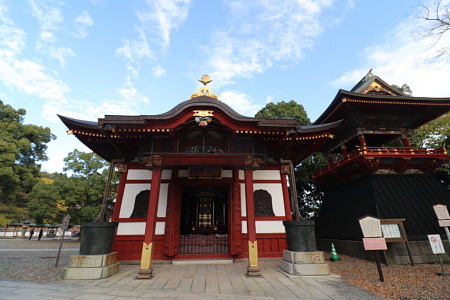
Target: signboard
x,y
374,244
444,223
442,215
391,230
205,172
370,226
436,244
441,211
65,222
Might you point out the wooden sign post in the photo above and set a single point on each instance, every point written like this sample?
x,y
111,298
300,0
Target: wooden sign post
x,y
64,227
394,231
438,248
373,240
443,217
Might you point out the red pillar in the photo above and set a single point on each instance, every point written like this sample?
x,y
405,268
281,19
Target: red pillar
x,y
119,198
149,238
253,268
405,141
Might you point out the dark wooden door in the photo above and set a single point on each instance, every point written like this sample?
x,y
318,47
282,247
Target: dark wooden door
x,y
204,210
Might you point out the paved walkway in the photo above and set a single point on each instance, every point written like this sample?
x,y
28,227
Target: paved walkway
x,y
202,281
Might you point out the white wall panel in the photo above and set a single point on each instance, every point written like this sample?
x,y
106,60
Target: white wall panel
x,y
266,227
130,228
139,174
227,173
162,204
183,173
160,227
269,227
129,196
243,200
266,175
166,174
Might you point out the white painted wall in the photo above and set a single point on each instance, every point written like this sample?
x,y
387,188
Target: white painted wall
x,y
129,196
138,228
262,175
131,228
275,190
134,174
266,227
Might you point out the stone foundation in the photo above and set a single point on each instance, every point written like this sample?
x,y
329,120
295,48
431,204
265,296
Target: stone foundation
x,y
304,263
91,266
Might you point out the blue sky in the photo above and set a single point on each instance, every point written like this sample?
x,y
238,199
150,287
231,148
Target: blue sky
x,y
85,59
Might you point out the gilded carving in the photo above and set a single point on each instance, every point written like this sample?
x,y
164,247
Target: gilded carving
x,y
285,169
121,168
153,161
252,162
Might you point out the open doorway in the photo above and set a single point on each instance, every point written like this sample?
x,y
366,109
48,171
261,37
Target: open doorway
x,y
204,220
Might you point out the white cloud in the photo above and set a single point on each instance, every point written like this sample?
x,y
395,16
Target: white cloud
x,y
164,16
261,33
240,103
402,58
85,19
135,50
50,18
81,22
158,71
24,74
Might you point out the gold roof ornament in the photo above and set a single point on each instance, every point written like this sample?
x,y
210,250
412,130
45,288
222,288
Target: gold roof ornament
x,y
204,91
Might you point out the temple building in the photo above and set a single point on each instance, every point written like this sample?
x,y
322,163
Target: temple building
x,y
200,181
373,169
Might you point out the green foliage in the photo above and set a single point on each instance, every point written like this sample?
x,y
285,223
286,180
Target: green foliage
x,y
12,214
284,110
435,134
43,206
405,89
21,148
309,195
82,192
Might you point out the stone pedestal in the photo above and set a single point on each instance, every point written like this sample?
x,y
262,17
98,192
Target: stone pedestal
x,y
91,266
305,263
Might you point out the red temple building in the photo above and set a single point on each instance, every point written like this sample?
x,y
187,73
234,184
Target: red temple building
x,y
200,181
374,170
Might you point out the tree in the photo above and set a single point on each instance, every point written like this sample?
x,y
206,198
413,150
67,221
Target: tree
x,y
437,14
405,89
309,195
435,134
45,204
82,192
21,148
284,110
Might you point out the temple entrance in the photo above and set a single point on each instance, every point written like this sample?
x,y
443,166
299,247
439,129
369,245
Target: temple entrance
x,y
204,220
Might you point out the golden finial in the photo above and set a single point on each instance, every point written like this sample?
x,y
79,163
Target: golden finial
x,y
205,79
204,91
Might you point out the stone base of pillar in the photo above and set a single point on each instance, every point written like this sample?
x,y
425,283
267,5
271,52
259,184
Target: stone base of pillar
x,y
305,263
253,271
91,266
145,273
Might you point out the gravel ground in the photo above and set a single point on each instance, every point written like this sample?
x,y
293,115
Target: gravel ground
x,y
35,265
401,282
